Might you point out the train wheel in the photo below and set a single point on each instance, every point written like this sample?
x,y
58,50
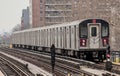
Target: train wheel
x,y
66,53
101,56
89,56
63,52
73,53
78,55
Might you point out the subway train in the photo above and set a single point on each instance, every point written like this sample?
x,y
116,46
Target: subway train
x,y
84,39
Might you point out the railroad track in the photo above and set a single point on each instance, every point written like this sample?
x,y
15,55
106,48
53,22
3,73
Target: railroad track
x,y
11,69
59,63
61,68
101,66
36,61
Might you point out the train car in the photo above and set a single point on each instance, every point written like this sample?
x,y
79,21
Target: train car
x,y
85,39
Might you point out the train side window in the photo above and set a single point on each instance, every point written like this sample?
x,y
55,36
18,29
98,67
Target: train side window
x,y
50,37
93,31
61,35
47,36
104,31
83,31
70,36
75,36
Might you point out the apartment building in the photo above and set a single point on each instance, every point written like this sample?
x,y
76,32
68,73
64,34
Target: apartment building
x,y
49,12
58,11
25,19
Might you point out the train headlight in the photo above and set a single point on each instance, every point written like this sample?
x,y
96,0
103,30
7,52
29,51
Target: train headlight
x,y
83,42
105,41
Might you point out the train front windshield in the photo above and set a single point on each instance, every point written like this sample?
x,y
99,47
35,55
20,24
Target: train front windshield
x,y
83,31
105,30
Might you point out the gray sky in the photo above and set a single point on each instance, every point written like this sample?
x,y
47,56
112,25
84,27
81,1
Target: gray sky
x,y
10,13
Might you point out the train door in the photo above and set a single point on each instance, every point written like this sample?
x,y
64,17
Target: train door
x,y
94,36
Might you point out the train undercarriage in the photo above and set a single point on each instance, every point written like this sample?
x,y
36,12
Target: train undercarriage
x,y
90,55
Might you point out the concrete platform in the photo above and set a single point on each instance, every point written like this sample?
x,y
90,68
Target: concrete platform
x,y
1,74
116,63
33,68
96,71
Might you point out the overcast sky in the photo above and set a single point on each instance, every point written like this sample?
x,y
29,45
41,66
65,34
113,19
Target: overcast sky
x,y
11,12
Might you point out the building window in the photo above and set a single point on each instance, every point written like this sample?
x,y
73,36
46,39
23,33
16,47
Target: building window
x,y
41,19
41,6
41,1
41,12
68,7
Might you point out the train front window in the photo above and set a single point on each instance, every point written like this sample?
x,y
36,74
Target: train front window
x,y
83,31
104,31
93,31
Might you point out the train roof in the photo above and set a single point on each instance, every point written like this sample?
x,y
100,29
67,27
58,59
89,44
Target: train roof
x,y
77,22
51,26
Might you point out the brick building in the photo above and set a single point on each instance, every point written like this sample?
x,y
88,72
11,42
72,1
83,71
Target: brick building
x,y
34,14
48,12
